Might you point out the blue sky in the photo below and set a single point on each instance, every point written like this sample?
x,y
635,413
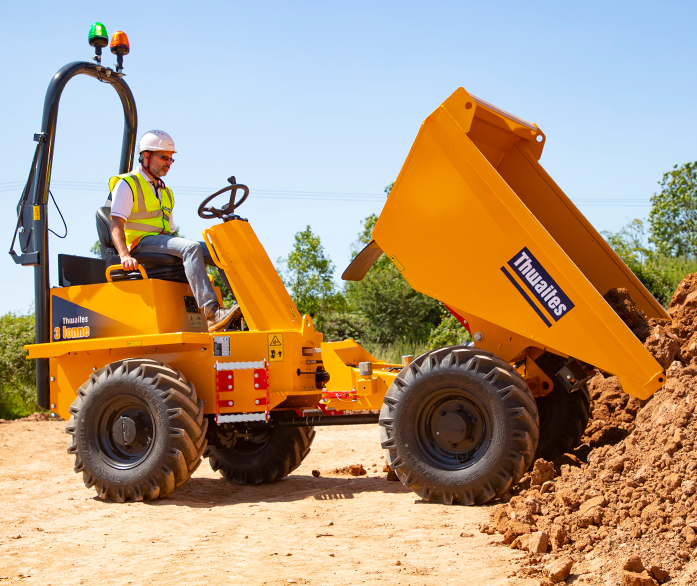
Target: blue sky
x,y
307,101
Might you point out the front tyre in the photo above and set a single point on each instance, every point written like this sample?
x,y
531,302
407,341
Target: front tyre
x,y
137,430
459,425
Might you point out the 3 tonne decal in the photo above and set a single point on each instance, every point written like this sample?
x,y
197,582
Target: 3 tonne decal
x,y
552,301
70,321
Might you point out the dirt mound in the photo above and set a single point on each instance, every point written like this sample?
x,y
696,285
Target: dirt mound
x,y
620,300
612,410
683,311
628,515
353,470
38,417
612,414
637,497
34,417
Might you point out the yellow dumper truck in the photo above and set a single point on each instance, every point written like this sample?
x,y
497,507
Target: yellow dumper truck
x,y
473,221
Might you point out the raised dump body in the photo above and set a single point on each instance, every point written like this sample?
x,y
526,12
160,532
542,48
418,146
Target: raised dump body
x,y
474,221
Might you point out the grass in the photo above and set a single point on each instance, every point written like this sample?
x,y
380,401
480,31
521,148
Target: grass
x,y
15,404
393,353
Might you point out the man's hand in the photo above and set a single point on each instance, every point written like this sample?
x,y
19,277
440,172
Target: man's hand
x,y
129,263
118,237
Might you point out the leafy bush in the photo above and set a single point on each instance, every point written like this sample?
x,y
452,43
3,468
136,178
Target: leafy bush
x,y
17,374
448,333
227,295
661,274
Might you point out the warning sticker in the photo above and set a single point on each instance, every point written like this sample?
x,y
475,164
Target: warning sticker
x,y
195,320
221,346
275,347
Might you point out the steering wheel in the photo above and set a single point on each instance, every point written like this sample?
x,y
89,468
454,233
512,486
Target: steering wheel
x,y
226,212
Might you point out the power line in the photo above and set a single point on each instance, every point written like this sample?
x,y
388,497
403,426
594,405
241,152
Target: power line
x,y
92,186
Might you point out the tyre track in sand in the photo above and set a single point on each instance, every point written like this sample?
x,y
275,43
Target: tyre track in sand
x,y
330,530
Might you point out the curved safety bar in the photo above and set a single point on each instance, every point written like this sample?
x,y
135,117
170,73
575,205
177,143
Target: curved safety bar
x,y
38,196
120,267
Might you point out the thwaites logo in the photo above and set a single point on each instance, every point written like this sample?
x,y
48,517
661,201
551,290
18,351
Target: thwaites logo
x,y
537,281
71,331
70,321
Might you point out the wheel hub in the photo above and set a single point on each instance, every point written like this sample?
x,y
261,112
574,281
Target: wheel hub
x,y
124,431
457,426
451,428
454,427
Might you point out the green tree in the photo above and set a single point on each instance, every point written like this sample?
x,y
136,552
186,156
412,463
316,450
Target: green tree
x,y
630,243
673,216
308,273
386,308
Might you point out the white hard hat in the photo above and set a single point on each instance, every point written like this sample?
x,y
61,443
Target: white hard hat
x,y
156,140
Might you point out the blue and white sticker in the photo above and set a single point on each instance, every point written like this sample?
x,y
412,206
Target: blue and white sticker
x,y
540,284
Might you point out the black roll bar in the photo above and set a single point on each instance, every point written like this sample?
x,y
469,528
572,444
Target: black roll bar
x,y
32,224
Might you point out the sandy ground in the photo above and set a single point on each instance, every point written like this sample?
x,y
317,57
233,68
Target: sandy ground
x,y
334,529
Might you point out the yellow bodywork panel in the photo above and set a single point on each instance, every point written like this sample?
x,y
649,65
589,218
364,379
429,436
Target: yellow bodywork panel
x,y
474,221
347,389
258,289
97,325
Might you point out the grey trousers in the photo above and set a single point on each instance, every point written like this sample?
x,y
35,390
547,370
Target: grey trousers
x,y
195,256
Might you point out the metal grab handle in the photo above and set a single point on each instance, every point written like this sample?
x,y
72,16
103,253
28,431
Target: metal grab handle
x,y
120,267
214,253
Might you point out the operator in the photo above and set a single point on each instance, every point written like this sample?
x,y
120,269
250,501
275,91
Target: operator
x,y
141,221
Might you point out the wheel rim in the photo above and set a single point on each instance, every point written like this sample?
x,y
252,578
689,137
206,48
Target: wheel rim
x,y
125,432
452,428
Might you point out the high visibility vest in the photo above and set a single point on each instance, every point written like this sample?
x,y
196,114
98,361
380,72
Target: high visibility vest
x,y
149,215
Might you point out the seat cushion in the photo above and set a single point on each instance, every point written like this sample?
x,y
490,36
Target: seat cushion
x,y
150,259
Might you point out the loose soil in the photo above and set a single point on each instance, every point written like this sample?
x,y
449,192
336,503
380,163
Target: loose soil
x,y
335,529
622,509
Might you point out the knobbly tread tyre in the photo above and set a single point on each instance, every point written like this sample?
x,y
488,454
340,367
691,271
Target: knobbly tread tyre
x,y
280,454
563,415
508,404
563,420
179,430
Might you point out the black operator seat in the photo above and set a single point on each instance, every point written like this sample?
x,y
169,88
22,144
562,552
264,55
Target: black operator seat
x,y
157,266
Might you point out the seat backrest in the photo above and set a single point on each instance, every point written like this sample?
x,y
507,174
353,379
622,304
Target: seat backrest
x,y
103,230
159,266
80,270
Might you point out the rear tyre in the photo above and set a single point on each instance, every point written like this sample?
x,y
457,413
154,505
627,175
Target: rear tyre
x,y
563,415
459,426
266,455
137,430
563,419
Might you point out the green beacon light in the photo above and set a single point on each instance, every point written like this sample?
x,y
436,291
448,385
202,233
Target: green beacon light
x,y
98,38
